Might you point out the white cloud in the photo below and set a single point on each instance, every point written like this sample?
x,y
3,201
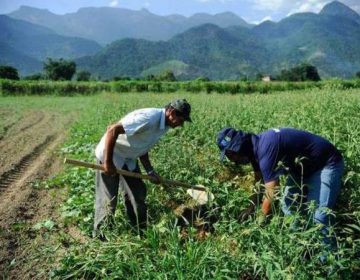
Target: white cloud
x,y
308,6
271,5
114,3
290,5
262,20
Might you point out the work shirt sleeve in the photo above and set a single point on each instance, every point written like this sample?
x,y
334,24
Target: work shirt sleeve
x,y
135,122
268,162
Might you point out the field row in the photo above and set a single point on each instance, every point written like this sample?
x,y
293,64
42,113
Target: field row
x,y
8,87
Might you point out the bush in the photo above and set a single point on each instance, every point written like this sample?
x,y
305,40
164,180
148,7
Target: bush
x,y
59,70
34,77
8,72
303,72
83,76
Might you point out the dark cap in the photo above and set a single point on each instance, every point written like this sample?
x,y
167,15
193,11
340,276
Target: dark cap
x,y
182,106
230,139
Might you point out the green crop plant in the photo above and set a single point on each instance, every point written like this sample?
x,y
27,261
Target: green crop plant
x,y
233,250
247,250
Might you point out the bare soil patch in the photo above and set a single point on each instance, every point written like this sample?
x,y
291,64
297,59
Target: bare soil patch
x,y
27,155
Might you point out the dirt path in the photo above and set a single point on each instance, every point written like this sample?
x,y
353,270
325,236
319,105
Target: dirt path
x,y
27,155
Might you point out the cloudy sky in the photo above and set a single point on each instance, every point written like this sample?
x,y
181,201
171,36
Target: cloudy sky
x,y
250,10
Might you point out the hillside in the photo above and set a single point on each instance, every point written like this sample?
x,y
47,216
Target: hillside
x,y
230,49
26,65
36,43
330,41
207,50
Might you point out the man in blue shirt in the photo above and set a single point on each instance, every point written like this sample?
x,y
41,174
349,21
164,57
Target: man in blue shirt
x,y
310,161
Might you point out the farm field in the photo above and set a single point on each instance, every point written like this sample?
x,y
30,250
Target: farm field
x,y
46,209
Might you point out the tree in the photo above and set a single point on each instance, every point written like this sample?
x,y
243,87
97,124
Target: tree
x,y
357,75
121,78
303,72
83,76
61,69
202,79
8,72
167,76
34,77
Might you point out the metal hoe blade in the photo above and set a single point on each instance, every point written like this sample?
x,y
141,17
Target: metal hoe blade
x,y
201,197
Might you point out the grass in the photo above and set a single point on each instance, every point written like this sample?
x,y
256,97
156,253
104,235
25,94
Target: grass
x,y
249,250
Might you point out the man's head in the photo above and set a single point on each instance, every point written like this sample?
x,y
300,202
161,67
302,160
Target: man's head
x,y
233,144
177,112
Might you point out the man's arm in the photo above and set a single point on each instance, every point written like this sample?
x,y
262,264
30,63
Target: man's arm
x,y
145,161
269,196
111,135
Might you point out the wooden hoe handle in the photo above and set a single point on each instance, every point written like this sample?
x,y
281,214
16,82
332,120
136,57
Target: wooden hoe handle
x,y
163,181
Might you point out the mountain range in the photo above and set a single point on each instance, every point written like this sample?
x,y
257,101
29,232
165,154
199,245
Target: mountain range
x,y
25,45
106,24
221,46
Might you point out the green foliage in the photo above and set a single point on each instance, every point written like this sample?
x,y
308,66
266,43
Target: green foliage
x,y
167,76
202,79
118,78
8,72
34,77
69,88
249,250
303,72
59,70
53,88
83,76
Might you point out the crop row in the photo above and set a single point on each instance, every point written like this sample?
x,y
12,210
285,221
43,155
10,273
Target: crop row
x,y
9,87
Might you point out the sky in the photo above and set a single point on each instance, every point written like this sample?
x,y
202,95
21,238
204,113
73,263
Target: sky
x,y
253,11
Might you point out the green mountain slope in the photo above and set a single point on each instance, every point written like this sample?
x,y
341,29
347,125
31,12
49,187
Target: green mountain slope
x,y
25,64
38,43
328,41
336,8
208,50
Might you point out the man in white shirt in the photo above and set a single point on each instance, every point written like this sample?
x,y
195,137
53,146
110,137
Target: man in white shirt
x,y
120,147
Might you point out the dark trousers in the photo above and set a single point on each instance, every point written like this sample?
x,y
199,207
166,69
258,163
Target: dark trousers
x,y
106,197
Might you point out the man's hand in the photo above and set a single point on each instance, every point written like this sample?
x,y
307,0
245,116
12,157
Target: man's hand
x,y
269,196
109,168
156,177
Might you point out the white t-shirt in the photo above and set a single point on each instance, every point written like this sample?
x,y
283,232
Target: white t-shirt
x,y
143,129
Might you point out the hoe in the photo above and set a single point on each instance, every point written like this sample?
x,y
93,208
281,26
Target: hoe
x,y
198,192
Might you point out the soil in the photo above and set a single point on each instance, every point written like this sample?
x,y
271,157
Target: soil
x,y
28,146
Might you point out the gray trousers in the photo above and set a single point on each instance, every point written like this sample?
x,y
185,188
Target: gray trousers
x,y
106,197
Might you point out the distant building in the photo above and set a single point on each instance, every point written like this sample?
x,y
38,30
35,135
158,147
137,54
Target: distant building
x,y
266,79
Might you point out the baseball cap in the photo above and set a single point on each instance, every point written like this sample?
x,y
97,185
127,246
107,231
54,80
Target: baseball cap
x,y
230,139
182,106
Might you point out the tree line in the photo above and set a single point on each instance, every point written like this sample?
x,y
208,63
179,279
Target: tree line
x,y
65,70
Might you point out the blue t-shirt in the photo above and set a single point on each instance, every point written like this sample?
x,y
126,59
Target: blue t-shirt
x,y
286,145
